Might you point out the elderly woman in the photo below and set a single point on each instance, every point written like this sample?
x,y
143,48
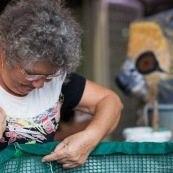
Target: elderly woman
x,y
39,52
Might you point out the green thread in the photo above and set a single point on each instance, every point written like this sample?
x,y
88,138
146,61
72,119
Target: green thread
x,y
19,153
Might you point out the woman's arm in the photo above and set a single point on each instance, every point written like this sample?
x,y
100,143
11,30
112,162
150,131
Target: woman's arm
x,y
106,108
2,122
104,105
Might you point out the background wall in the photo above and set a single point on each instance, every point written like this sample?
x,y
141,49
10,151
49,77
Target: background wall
x,y
105,42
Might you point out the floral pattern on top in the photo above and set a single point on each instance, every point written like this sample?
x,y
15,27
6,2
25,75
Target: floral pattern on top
x,y
40,128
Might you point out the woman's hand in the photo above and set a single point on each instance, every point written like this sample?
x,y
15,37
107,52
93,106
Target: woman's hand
x,y
105,106
2,122
73,151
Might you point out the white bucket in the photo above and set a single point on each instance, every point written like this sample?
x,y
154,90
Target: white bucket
x,y
146,134
165,116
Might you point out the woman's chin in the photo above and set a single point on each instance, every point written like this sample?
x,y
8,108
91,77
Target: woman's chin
x,y
23,91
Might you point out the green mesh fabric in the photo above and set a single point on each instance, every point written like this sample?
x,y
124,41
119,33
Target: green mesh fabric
x,y
108,157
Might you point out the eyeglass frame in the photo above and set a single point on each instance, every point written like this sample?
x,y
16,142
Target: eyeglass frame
x,y
39,76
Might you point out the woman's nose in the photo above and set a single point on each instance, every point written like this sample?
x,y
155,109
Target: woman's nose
x,y
38,83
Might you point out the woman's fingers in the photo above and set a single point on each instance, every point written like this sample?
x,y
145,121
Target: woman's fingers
x,y
53,156
2,122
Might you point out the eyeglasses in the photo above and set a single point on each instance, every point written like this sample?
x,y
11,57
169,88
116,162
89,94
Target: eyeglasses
x,y
40,76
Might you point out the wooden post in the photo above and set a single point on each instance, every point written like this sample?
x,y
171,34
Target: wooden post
x,y
155,116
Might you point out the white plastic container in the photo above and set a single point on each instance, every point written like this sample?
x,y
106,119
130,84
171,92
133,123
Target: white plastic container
x,y
146,134
165,116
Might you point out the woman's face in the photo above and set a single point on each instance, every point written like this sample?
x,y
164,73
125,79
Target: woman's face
x,y
14,80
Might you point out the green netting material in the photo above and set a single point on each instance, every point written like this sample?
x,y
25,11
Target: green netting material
x,y
108,157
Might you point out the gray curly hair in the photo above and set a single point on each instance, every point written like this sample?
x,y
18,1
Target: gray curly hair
x,y
40,30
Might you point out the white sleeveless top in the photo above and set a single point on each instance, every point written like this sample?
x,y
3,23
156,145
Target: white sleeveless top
x,y
34,117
